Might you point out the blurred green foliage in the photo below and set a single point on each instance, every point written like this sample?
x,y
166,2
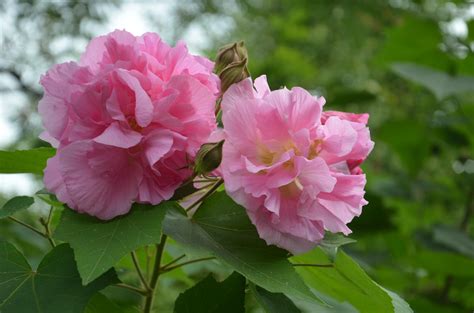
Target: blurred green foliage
x,y
401,62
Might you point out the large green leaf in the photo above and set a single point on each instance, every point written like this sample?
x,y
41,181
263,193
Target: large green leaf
x,y
25,161
346,282
16,204
273,302
98,244
101,304
209,296
439,83
55,287
223,228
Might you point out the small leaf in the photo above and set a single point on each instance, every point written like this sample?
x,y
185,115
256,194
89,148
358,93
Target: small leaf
x,y
222,227
16,204
331,242
273,302
25,161
454,239
346,281
209,296
439,83
55,287
98,244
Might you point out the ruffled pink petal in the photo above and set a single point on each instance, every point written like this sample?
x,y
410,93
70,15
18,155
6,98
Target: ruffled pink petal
x,y
157,144
261,85
314,175
53,181
274,236
101,180
340,137
119,136
143,104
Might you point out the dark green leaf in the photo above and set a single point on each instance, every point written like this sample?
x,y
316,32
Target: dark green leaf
x,y
16,204
101,304
345,281
209,296
98,244
273,302
223,228
55,287
439,83
25,161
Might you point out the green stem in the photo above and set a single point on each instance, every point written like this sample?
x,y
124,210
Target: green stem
x,y
133,288
139,271
27,226
172,262
156,274
47,227
170,268
207,194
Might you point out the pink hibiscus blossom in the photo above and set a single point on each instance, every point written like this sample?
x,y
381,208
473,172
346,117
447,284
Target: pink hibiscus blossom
x,y
294,168
127,120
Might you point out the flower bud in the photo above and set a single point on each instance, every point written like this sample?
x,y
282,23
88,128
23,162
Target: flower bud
x,y
228,54
208,157
233,73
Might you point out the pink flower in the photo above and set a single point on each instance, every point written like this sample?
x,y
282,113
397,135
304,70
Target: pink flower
x,y
294,168
127,120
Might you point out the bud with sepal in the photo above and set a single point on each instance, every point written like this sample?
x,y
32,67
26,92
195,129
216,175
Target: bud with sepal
x,y
231,64
208,157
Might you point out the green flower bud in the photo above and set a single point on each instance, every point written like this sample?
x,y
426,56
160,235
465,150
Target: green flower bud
x,y
233,73
228,54
208,157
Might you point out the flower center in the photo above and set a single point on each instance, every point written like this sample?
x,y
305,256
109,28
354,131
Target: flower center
x,y
133,124
292,189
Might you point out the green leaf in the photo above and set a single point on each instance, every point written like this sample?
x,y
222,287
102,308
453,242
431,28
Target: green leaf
x,y
439,83
55,287
454,239
25,161
223,228
399,305
331,243
345,281
101,304
209,296
273,302
16,204
98,244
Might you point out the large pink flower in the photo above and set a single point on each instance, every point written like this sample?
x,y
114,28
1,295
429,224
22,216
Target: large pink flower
x,y
294,168
127,120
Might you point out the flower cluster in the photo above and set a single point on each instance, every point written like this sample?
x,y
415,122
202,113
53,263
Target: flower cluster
x,y
130,118
127,121
293,167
